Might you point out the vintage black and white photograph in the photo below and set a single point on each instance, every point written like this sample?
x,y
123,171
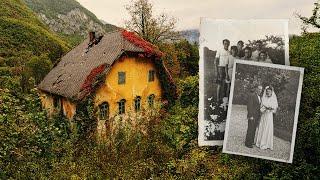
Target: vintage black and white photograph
x,y
222,42
263,112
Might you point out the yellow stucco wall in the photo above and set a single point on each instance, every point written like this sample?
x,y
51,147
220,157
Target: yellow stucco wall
x,y
68,107
137,71
47,102
137,84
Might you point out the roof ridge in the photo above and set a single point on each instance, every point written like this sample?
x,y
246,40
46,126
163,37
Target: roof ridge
x,y
110,32
149,48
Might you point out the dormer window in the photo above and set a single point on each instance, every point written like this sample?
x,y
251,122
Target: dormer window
x,y
151,75
121,77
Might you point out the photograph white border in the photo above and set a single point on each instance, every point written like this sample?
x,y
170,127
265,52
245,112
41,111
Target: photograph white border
x,y
301,70
201,130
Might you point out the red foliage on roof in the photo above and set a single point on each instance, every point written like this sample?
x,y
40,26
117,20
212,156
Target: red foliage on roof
x,y
87,85
149,48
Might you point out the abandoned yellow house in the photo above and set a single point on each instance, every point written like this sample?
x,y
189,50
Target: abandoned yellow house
x,y
133,77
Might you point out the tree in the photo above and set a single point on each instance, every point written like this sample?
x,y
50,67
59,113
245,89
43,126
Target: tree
x,y
155,29
181,58
170,59
314,20
188,55
273,45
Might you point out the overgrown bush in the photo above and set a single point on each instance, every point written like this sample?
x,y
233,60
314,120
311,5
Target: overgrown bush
x,y
28,138
39,67
189,91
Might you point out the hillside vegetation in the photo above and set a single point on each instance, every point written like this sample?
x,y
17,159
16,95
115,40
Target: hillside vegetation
x,y
16,9
22,38
68,18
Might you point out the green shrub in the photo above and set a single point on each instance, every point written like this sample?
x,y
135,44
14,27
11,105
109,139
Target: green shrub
x,y
305,52
180,127
39,67
5,71
189,91
28,138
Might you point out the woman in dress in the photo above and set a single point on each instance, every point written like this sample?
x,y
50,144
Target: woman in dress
x,y
264,133
247,54
263,57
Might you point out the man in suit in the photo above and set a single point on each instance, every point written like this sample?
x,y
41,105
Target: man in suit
x,y
253,108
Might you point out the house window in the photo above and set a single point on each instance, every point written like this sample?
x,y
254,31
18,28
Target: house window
x,y
104,111
137,103
151,100
121,77
122,106
56,102
151,75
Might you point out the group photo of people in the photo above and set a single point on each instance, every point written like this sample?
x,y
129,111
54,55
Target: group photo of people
x,y
263,113
224,63
221,43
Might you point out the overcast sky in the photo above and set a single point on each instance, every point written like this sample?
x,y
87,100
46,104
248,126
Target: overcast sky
x,y
238,30
188,12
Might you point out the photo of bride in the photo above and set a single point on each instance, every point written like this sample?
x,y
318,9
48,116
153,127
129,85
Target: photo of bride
x,y
264,132
263,112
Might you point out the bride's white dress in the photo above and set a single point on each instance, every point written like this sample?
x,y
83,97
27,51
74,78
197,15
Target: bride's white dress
x,y
264,132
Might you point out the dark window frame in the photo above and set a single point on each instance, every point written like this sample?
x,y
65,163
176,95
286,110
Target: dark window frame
x,y
137,103
151,75
121,77
57,102
151,99
122,106
104,111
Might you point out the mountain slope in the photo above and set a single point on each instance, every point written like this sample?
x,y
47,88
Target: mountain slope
x,y
191,35
68,18
23,36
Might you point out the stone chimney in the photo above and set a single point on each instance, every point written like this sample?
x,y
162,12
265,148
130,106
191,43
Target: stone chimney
x,y
93,40
92,36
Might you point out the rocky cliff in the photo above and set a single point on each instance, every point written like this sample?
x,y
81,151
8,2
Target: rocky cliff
x,y
68,18
73,22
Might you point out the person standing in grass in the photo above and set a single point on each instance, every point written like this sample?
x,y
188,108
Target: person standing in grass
x,y
222,58
231,59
